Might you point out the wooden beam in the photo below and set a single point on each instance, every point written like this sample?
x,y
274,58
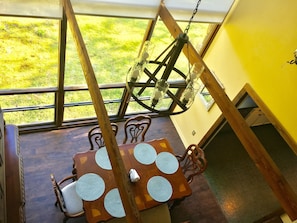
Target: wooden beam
x,y
249,140
149,29
60,94
120,174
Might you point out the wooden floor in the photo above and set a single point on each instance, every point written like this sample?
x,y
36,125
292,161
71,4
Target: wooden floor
x,y
51,152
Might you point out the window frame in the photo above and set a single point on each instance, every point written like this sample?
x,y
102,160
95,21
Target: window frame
x,y
60,91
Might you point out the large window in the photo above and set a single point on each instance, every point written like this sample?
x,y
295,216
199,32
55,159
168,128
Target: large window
x,y
30,49
28,58
112,45
28,52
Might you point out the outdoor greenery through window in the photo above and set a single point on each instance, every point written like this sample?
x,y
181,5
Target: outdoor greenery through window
x,y
28,52
29,57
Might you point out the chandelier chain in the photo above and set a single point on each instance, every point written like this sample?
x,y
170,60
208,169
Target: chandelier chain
x,y
192,17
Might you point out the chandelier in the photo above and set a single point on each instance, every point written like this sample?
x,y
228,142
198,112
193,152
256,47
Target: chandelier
x,y
150,84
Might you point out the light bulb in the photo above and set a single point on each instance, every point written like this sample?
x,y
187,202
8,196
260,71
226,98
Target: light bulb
x,y
195,72
159,92
145,56
158,95
135,72
188,95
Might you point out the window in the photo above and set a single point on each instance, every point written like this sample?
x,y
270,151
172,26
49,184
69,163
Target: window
x,y
30,56
29,59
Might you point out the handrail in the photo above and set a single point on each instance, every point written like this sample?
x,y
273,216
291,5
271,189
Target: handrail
x,y
55,89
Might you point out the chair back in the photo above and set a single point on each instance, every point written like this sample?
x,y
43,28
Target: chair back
x,y
69,203
96,138
192,162
59,195
135,128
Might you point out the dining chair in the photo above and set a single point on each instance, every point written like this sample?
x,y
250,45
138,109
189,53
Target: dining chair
x,y
69,202
135,128
192,162
96,138
158,214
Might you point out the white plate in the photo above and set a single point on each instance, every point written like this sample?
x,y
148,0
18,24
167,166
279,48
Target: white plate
x,y
113,204
102,159
167,162
159,188
90,186
145,153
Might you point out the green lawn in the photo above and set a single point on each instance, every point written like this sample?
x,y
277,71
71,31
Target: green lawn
x,y
29,57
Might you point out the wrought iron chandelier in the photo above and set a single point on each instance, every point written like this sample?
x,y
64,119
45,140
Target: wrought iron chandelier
x,y
150,84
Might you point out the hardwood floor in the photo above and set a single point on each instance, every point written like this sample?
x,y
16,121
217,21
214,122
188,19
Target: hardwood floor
x,y
51,152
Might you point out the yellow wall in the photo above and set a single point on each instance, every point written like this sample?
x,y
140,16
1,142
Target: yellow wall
x,y
253,46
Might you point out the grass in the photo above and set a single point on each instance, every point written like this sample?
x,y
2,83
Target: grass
x,y
29,50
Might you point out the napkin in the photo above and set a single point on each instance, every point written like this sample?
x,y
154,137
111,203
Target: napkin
x,y
134,177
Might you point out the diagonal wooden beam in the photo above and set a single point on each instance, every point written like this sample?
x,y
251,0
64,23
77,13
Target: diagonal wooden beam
x,y
120,174
249,140
150,28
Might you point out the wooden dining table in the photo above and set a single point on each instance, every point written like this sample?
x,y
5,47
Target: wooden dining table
x,y
87,163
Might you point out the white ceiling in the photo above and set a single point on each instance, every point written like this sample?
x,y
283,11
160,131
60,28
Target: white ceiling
x,y
208,11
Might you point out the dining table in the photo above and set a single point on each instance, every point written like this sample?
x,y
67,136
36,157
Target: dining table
x,y
154,172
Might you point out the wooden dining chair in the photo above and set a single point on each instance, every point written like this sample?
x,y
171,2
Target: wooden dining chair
x,y
135,128
158,214
96,138
192,162
69,202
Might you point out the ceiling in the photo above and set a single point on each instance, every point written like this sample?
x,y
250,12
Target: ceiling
x,y
211,11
